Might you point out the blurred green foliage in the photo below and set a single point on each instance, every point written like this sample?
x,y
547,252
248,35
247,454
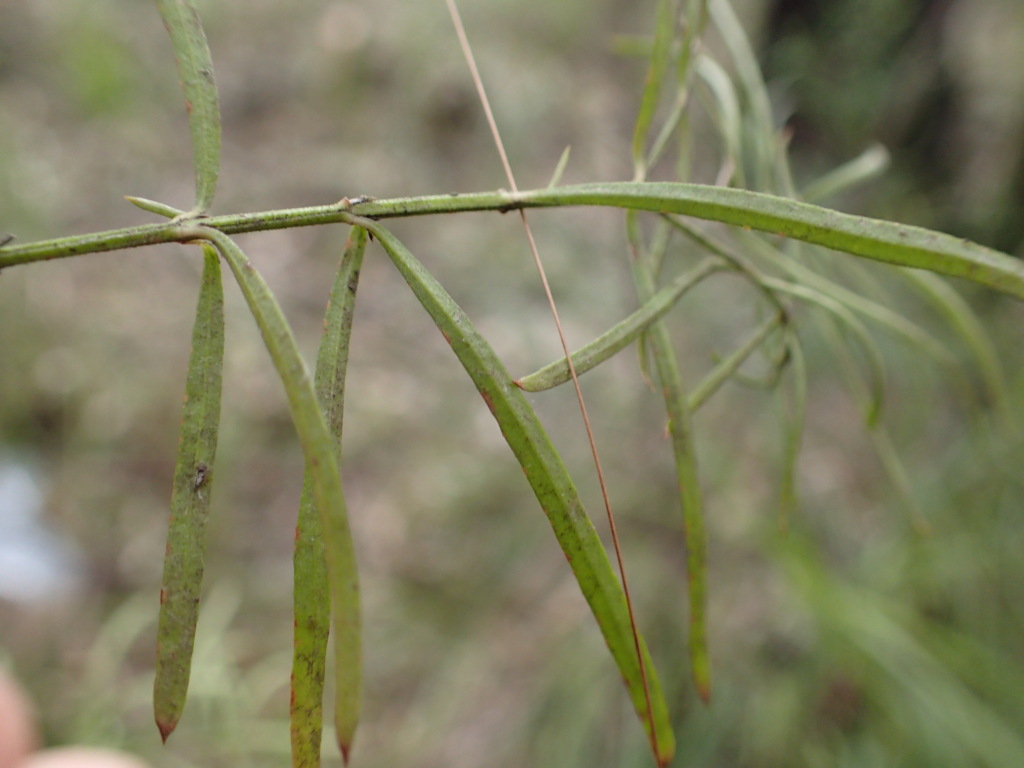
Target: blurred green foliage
x,y
849,641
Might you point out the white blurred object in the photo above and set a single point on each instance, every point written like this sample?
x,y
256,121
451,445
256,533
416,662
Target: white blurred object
x,y
35,565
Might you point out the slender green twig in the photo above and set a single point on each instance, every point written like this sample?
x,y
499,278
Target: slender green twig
x,y
886,241
621,334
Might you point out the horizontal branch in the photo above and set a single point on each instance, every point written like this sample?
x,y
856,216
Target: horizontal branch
x,y
885,241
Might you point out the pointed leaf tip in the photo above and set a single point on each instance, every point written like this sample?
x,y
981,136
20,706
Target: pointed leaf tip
x,y
166,729
321,461
704,691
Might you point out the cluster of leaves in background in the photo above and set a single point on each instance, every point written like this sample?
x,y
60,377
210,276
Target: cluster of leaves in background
x,y
326,592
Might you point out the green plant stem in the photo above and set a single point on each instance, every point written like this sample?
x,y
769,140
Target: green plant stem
x,y
884,241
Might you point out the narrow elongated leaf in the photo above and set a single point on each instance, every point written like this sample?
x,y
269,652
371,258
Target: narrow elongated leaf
x,y
794,415
563,161
885,450
962,320
724,106
660,59
762,153
678,121
312,592
728,366
550,481
195,71
152,206
670,384
322,465
878,313
190,502
849,321
620,335
869,164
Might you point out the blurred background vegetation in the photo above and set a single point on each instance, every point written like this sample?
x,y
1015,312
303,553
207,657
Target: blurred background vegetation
x,y
851,640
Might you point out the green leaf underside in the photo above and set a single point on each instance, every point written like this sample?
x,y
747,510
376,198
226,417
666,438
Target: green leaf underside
x,y
190,502
312,593
549,480
321,463
195,71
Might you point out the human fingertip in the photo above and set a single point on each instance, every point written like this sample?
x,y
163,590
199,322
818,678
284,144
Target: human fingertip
x,y
18,734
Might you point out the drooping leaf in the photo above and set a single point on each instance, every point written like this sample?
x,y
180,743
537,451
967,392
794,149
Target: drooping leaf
x,y
889,458
724,106
878,313
680,428
322,465
190,502
312,593
964,322
550,482
195,71
875,385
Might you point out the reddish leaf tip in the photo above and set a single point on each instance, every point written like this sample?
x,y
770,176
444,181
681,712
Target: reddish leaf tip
x,y
704,691
344,751
165,729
